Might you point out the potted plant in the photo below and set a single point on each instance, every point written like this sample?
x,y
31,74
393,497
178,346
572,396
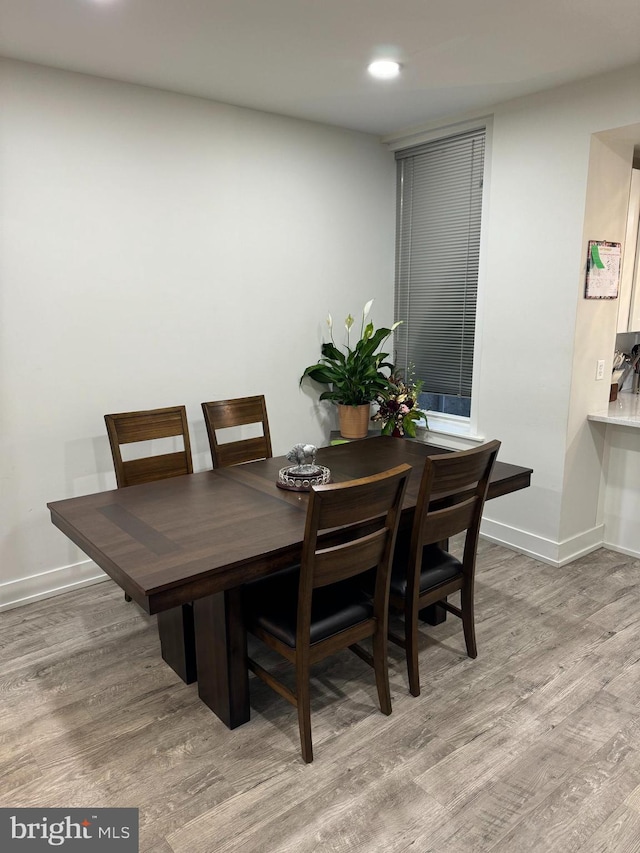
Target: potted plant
x,y
354,377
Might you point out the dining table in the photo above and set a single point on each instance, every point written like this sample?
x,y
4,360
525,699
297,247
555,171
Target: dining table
x,y
184,547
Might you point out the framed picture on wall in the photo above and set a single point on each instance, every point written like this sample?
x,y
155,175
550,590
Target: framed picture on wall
x,y
603,270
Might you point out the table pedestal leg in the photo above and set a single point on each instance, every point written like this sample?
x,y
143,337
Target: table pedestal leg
x,y
433,614
221,649
177,641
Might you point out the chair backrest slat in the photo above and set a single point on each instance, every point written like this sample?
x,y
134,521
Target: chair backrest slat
x,y
148,425
343,561
349,506
238,452
222,414
444,523
145,426
152,468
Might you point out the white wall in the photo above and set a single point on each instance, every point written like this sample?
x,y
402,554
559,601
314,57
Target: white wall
x,y
596,324
157,249
532,394
621,495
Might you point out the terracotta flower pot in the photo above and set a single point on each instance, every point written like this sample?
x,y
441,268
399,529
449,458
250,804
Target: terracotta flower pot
x,y
354,420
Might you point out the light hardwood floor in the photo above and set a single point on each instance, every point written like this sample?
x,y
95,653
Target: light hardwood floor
x,y
534,746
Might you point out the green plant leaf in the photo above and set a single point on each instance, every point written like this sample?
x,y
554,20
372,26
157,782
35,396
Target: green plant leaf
x,y
332,353
355,376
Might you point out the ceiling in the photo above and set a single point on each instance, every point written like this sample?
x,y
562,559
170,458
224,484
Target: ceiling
x,y
307,58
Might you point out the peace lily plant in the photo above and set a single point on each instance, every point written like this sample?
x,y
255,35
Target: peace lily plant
x,y
353,377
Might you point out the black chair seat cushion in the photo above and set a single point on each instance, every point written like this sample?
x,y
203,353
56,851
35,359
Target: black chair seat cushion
x,y
438,567
272,603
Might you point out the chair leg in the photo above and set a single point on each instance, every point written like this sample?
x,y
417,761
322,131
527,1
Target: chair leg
x,y
381,669
127,597
411,648
468,621
304,715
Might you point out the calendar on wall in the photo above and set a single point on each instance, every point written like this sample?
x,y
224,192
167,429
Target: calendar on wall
x,y
603,270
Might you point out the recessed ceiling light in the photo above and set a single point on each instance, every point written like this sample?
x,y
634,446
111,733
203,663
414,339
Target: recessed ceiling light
x,y
384,69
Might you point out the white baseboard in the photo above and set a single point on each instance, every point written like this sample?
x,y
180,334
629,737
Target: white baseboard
x,y
628,552
50,583
584,543
546,550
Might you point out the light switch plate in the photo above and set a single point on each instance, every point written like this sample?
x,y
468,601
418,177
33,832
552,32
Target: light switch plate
x,y
600,369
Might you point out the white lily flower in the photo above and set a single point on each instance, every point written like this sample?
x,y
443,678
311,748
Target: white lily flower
x,y
367,308
329,321
396,324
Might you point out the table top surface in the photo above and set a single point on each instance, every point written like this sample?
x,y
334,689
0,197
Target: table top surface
x,y
175,540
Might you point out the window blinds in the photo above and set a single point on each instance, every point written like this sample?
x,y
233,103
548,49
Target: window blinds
x,y
439,205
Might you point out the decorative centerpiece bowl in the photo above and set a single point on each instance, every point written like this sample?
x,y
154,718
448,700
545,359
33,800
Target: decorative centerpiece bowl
x,y
305,473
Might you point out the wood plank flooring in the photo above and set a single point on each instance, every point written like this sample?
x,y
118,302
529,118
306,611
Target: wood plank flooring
x,y
534,746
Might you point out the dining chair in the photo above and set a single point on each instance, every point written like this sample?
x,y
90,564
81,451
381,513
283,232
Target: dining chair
x,y
222,414
320,607
130,427
452,493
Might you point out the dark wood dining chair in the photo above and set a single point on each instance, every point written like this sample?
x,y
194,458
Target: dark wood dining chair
x,y
452,493
130,427
222,414
320,608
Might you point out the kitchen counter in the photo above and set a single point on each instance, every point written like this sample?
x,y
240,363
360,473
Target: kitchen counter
x,y
625,411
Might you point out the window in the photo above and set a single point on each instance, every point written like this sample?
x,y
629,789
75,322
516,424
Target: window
x,y
439,207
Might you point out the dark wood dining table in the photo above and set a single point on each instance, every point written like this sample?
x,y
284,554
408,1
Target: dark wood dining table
x,y
183,547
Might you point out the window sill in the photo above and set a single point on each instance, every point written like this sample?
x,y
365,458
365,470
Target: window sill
x,y
448,428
